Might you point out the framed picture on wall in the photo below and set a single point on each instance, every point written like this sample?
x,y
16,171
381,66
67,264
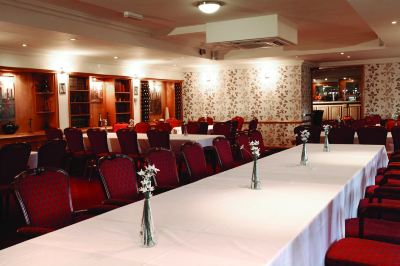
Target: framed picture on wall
x,y
136,90
61,88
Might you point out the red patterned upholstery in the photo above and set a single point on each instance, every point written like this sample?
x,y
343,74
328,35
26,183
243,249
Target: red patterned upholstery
x,y
118,175
341,135
360,252
44,196
390,123
195,160
203,128
373,120
357,124
165,161
53,133
159,139
191,127
128,142
240,121
315,134
142,127
173,122
118,126
381,171
242,141
372,135
396,138
256,135
222,129
224,153
74,139
98,141
374,229
388,209
253,124
208,119
52,154
164,127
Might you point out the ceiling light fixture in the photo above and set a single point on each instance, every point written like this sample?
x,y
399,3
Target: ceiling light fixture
x,y
116,57
342,53
209,7
394,22
24,45
72,39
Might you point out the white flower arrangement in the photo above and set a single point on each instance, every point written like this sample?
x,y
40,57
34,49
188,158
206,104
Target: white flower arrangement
x,y
395,115
255,150
304,135
327,128
147,175
131,122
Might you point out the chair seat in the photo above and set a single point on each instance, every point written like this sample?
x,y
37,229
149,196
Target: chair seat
x,y
381,171
375,229
388,212
354,251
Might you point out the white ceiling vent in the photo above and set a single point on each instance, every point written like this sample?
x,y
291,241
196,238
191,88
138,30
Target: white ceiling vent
x,y
249,33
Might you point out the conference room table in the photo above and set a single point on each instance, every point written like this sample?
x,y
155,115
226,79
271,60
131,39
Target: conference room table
x,y
219,220
176,140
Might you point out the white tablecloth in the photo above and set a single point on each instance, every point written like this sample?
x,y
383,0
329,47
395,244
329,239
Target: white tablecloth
x,y
219,221
176,141
178,130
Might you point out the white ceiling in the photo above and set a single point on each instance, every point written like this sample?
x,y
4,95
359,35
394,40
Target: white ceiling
x,y
325,28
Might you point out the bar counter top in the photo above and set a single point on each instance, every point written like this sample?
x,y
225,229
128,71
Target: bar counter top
x,y
336,102
22,135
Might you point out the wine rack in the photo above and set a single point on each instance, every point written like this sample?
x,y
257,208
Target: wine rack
x,y
79,101
145,100
178,100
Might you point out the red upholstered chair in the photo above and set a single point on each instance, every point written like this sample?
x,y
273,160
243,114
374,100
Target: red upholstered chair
x,y
372,135
191,127
207,119
173,122
359,124
355,251
396,138
164,127
53,133
390,123
98,141
118,126
195,160
45,199
240,121
242,141
53,154
76,148
223,129
315,133
203,128
341,135
142,127
128,142
159,139
347,120
118,176
256,135
373,120
13,160
167,178
224,153
253,124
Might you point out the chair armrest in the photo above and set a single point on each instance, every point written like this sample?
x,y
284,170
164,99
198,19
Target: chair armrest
x,y
34,231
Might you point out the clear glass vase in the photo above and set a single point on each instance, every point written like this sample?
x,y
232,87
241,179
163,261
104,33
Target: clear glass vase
x,y
304,156
255,181
147,231
326,142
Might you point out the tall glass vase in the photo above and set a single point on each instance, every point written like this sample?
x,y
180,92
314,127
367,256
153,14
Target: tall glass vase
x,y
185,132
255,181
147,231
326,142
304,156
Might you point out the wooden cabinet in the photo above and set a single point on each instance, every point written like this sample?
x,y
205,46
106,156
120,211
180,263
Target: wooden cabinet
x,y
79,105
123,100
339,109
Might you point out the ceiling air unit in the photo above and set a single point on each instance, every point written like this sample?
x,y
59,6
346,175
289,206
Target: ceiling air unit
x,y
249,33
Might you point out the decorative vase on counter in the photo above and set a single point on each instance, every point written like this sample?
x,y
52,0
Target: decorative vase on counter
x,y
304,135
326,141
10,128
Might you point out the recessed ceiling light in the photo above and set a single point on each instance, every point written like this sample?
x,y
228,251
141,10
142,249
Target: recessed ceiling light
x,y
348,56
72,39
342,53
24,45
116,57
209,7
344,78
394,22
326,79
174,65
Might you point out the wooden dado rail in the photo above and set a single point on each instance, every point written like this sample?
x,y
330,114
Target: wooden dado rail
x,y
272,122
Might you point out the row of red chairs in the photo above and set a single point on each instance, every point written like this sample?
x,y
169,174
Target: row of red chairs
x,y
374,237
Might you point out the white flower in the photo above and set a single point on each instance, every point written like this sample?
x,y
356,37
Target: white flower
x,y
326,128
255,151
305,134
147,175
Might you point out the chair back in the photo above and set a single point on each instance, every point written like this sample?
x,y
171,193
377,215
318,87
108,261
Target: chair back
x,y
253,124
396,137
98,140
13,160
195,160
203,128
390,123
128,142
164,127
52,154
118,126
173,122
221,128
165,161
372,135
224,152
53,133
207,119
243,142
315,133
234,127
316,117
240,121
191,127
74,138
341,135
373,120
118,176
44,196
142,127
256,135
158,139
359,124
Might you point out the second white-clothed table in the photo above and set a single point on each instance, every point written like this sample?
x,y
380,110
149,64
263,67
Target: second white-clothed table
x,y
298,213
178,130
176,140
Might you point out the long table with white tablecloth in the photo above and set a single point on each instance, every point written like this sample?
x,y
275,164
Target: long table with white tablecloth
x,y
298,213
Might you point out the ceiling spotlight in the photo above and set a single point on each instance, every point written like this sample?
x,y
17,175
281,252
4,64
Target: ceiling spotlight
x,y
348,56
342,53
209,7
326,79
394,22
72,39
116,57
24,45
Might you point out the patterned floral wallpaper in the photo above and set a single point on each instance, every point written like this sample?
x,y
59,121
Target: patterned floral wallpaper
x,y
277,93
382,89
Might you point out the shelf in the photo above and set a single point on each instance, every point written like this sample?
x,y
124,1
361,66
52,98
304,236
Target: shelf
x,y
122,102
44,112
79,91
122,92
79,102
80,115
123,113
44,93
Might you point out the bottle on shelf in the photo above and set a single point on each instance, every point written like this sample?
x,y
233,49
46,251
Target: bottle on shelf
x,y
100,120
